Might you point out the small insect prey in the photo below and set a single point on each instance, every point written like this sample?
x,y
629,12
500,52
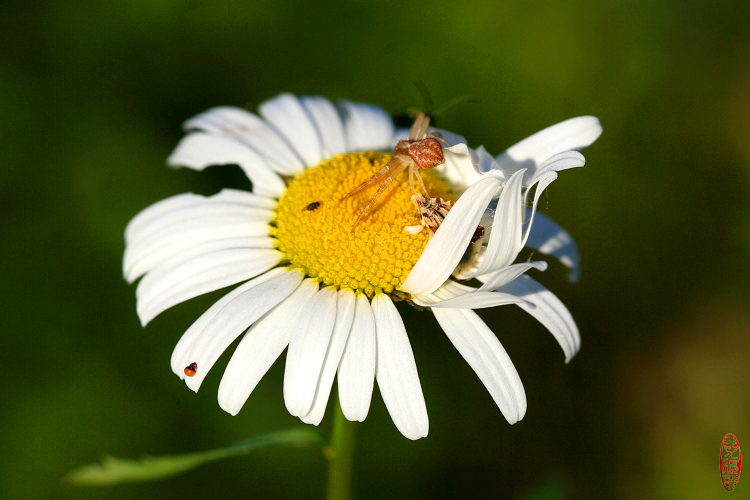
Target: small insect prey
x,y
191,369
312,206
478,234
421,150
431,212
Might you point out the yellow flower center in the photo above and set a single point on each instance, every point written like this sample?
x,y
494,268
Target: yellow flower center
x,y
315,228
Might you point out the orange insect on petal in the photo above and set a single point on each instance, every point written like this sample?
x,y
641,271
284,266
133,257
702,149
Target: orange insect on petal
x,y
191,369
426,153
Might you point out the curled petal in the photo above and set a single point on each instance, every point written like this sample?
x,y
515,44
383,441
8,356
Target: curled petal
x,y
548,237
508,274
445,249
506,238
530,153
556,163
549,311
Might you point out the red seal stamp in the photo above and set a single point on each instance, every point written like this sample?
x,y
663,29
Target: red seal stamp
x,y
730,461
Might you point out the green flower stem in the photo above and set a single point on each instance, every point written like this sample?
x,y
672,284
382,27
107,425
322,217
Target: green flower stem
x,y
341,456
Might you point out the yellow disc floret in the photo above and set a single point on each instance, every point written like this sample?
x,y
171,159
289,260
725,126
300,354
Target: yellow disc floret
x,y
316,232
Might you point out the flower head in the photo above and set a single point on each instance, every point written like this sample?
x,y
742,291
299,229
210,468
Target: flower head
x,y
314,278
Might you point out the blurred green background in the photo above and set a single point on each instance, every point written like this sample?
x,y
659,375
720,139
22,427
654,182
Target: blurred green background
x,y
93,95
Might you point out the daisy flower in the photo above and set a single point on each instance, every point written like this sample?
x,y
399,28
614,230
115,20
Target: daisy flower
x,y
313,281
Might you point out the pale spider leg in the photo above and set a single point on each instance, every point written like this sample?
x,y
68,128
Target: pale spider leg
x,y
422,130
421,182
380,173
414,131
384,185
411,179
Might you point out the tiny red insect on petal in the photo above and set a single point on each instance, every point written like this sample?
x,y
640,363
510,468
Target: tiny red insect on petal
x,y
426,153
191,369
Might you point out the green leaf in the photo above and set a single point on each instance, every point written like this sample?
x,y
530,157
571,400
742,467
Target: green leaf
x,y
114,470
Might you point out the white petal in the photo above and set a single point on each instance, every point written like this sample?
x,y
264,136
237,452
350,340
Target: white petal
x,y
288,116
541,184
158,233
451,289
235,317
199,230
508,274
475,300
448,290
549,311
199,150
260,347
506,238
185,200
184,346
483,161
307,351
576,133
445,249
459,171
357,369
186,206
200,217
210,242
366,127
145,216
458,149
251,130
180,278
486,356
545,175
245,197
344,318
328,124
558,162
396,371
457,296
548,237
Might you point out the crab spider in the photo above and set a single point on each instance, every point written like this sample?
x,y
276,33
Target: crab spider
x,y
421,150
